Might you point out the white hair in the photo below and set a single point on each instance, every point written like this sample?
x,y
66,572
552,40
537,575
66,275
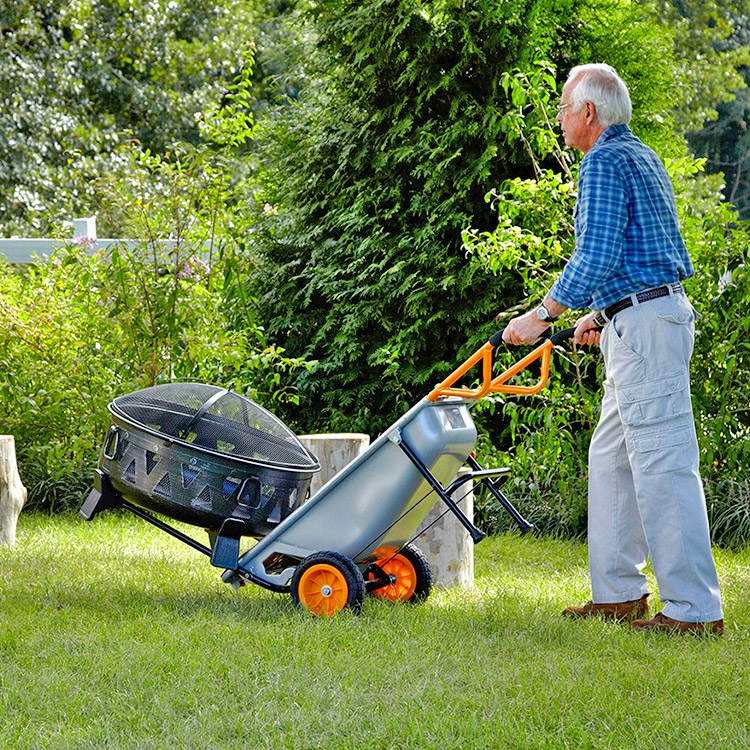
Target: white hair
x,y
599,84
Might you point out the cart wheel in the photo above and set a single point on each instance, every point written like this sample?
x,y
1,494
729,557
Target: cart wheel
x,y
327,582
412,572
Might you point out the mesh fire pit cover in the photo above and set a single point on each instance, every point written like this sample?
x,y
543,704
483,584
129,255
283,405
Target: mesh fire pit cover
x,y
216,421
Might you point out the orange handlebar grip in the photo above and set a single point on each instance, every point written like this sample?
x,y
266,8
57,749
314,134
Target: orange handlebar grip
x,y
498,384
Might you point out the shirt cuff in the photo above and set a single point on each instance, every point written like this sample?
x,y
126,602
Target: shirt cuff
x,y
567,297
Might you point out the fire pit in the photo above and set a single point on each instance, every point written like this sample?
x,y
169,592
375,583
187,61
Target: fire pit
x,y
202,454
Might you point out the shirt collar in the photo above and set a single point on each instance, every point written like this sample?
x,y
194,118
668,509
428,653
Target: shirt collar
x,y
611,132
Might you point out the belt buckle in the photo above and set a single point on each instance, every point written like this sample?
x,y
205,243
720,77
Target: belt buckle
x,y
600,319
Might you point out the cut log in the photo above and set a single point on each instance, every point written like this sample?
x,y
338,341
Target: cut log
x,y
12,492
334,451
446,544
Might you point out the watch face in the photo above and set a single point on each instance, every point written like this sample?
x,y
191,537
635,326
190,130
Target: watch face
x,y
542,313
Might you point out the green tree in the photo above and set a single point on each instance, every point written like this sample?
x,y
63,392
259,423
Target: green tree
x,y
387,157
73,75
710,96
725,141
706,66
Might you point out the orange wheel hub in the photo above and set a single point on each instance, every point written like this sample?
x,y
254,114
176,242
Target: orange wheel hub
x,y
406,577
323,589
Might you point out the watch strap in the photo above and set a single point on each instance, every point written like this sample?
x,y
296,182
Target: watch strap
x,y
546,316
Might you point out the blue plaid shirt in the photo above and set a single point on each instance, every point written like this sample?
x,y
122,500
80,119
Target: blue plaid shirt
x,y
626,230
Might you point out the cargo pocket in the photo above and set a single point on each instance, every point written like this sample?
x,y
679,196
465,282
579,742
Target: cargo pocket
x,y
657,418
661,452
654,401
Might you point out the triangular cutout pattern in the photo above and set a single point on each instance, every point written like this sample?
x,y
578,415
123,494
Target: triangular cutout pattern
x,y
164,488
151,460
230,484
204,498
129,475
189,475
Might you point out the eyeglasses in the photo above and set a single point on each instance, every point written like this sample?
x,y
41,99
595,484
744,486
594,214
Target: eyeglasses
x,y
562,107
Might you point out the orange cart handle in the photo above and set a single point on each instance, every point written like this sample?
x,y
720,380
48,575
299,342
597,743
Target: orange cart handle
x,y
499,384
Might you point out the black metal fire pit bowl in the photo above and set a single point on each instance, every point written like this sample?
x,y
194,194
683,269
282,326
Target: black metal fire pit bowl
x,y
200,454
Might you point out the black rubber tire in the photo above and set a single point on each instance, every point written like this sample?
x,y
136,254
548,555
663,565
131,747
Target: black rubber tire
x,y
351,574
422,571
422,568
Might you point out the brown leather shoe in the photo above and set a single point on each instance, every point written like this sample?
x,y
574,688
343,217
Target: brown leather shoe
x,y
615,611
666,624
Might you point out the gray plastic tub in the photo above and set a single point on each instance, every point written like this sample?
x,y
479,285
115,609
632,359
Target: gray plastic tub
x,y
377,501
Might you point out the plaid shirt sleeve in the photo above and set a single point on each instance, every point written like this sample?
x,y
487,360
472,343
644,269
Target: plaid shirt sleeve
x,y
601,216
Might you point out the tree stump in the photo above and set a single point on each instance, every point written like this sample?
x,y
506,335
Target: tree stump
x,y
12,492
446,544
334,451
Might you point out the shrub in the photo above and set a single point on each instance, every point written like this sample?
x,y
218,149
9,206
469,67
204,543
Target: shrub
x,y
80,329
545,437
728,503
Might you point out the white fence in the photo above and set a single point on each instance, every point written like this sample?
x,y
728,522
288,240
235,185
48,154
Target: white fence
x,y
84,231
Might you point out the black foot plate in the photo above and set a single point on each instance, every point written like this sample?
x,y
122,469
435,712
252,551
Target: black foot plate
x,y
102,497
226,551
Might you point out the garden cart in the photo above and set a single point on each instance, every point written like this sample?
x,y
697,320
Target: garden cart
x,y
213,458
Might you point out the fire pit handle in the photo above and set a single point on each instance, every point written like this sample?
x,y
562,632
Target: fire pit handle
x,y
110,441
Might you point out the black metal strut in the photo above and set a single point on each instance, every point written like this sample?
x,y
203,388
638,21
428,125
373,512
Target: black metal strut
x,y
104,497
523,524
475,533
477,473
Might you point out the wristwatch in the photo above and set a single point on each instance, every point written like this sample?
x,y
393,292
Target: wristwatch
x,y
544,314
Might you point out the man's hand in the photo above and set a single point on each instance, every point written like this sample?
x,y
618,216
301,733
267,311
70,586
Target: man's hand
x,y
587,332
525,329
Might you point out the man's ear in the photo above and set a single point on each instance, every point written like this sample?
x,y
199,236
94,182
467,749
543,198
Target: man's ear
x,y
590,112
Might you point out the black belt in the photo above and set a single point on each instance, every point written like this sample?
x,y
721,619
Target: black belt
x,y
645,296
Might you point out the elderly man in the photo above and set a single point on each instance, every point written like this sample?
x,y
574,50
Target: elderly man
x,y
645,492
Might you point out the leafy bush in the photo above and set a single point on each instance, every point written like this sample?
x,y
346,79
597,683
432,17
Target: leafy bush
x,y
545,438
728,503
80,329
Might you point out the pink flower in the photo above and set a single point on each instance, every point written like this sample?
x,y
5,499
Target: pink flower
x,y
200,264
84,242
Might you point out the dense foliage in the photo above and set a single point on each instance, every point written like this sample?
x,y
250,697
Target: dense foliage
x,y
725,139
709,49
80,329
546,437
365,242
378,168
73,75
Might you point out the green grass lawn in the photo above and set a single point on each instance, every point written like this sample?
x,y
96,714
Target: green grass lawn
x,y
113,635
